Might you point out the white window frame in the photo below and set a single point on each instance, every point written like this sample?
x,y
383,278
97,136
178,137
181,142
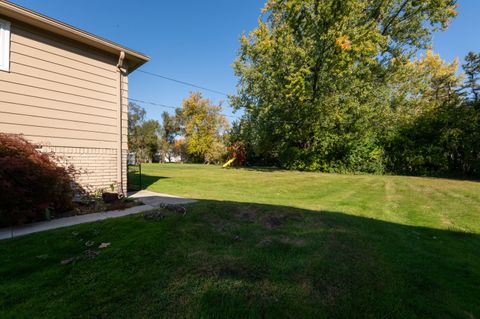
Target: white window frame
x,y
5,45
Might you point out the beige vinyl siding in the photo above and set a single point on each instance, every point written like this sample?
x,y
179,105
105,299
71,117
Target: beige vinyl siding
x,y
53,84
15,117
19,49
53,67
49,79
79,81
16,97
38,39
65,96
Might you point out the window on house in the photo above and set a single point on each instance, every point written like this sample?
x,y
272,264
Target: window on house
x,y
4,45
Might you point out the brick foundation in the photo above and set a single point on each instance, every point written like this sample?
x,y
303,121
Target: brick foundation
x,y
98,166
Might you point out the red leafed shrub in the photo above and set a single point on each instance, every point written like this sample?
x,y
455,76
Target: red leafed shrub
x,y
237,151
31,182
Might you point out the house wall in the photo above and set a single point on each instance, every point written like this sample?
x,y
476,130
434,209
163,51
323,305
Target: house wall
x,y
66,97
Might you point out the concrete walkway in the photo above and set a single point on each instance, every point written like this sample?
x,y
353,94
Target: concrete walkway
x,y
150,199
155,199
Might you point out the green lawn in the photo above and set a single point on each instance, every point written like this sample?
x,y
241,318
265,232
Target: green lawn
x,y
262,243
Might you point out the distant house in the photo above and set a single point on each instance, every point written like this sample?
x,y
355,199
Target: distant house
x,y
166,157
67,90
169,158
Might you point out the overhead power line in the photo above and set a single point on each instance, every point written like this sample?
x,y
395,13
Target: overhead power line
x,y
230,116
171,107
152,103
183,82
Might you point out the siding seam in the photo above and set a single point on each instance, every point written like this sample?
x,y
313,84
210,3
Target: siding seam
x,y
58,110
56,91
60,128
62,101
67,66
62,56
63,74
63,83
56,118
70,138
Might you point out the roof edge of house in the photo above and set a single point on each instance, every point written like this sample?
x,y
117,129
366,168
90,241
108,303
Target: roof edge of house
x,y
11,10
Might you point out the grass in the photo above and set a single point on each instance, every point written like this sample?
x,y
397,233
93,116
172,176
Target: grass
x,y
262,243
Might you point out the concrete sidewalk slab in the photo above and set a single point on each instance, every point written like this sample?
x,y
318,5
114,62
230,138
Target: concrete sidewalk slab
x,y
151,200
12,232
156,199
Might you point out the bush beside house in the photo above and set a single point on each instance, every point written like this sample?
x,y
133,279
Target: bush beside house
x,y
33,185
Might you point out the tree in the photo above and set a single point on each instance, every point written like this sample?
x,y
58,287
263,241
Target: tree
x,y
136,116
204,127
433,128
237,152
423,131
170,127
142,135
421,85
148,140
472,71
168,133
180,149
313,77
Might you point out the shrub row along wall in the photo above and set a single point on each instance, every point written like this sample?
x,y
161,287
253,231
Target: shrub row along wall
x,y
33,184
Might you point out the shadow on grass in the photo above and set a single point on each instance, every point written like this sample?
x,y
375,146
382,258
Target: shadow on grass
x,y
244,260
350,264
137,182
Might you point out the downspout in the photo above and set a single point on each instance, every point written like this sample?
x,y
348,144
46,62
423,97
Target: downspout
x,y
121,71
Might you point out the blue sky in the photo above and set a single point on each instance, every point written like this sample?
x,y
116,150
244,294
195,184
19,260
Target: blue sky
x,y
196,41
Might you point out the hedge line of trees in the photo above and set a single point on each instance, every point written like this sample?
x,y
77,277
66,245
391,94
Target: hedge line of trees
x,y
353,86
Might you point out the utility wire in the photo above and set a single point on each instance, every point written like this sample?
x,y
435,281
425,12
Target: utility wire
x,y
231,116
183,82
152,103
171,107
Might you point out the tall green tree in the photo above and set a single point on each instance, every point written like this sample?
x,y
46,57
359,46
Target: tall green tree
x,y
313,77
168,132
425,123
421,85
142,135
472,71
149,143
204,127
136,116
170,127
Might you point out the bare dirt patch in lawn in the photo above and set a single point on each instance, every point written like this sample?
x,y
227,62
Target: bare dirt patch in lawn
x,y
287,240
270,220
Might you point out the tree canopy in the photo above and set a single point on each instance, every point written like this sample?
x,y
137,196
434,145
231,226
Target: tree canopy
x,y
142,134
196,132
203,127
472,71
330,85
